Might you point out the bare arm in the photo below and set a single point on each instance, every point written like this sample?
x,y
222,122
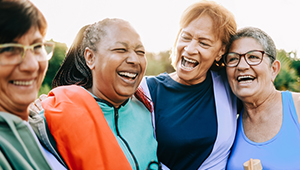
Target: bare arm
x,y
296,98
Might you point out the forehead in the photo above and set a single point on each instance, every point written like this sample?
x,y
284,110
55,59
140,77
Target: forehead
x,y
33,35
245,44
201,27
121,32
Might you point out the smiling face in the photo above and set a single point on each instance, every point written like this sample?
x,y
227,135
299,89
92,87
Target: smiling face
x,y
197,48
118,65
251,82
20,83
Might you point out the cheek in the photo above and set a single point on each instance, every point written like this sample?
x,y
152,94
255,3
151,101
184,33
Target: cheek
x,y
230,74
143,64
179,48
43,66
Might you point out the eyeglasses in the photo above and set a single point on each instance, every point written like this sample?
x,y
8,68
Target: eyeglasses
x,y
252,58
11,53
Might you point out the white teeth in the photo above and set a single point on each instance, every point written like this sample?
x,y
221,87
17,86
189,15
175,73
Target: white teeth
x,y
245,77
189,60
23,83
127,74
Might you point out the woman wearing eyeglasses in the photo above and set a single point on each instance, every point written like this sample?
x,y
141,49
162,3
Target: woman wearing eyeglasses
x,y
24,59
268,125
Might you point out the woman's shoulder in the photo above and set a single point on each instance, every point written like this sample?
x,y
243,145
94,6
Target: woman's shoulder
x,y
296,99
154,81
161,76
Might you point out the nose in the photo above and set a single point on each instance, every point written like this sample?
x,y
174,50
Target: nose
x,y
29,62
133,58
191,48
243,63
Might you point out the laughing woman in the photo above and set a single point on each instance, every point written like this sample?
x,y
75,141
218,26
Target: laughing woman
x,y
98,123
194,108
268,126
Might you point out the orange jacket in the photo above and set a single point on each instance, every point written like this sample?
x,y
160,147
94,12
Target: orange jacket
x,y
83,137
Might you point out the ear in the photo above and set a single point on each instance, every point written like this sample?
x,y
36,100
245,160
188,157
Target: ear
x,y
275,69
89,58
221,53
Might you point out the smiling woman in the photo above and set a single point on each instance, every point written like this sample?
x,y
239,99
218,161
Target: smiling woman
x,y
268,125
24,56
195,111
107,63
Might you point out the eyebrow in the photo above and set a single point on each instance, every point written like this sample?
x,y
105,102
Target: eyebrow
x,y
37,40
126,45
199,38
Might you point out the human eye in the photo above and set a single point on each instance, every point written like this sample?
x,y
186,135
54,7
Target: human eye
x,y
37,46
120,50
11,50
204,44
38,49
140,52
254,55
232,57
7,49
185,37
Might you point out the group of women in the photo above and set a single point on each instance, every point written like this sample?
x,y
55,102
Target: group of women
x,y
102,113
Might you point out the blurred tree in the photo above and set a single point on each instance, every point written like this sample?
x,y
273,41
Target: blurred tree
x,y
159,63
288,78
54,64
295,62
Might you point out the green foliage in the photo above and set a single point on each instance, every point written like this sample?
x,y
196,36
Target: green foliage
x,y
288,77
44,89
54,64
295,62
159,63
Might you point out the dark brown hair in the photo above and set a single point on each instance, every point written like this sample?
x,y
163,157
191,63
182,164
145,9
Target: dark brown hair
x,y
74,69
17,17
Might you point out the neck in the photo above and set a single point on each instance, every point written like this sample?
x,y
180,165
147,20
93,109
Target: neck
x,y
115,103
21,114
263,106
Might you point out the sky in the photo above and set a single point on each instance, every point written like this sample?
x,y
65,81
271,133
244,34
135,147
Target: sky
x,y
157,20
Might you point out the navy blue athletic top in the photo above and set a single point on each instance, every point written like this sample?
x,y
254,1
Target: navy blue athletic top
x,y
185,121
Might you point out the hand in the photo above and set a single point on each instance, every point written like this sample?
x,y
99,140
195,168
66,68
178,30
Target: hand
x,y
36,106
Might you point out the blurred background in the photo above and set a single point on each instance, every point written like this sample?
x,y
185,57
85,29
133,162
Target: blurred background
x,y
157,23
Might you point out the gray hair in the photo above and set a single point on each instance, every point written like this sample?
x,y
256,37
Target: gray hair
x,y
95,32
260,36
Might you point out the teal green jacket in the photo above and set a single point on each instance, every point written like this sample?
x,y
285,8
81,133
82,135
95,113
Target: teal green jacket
x,y
132,126
18,147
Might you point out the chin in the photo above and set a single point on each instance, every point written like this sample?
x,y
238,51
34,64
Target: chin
x,y
126,93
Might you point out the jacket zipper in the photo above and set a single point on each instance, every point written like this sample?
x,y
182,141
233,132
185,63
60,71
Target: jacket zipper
x,y
125,142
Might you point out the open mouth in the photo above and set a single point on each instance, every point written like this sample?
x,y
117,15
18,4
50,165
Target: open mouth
x,y
128,75
246,78
22,83
188,63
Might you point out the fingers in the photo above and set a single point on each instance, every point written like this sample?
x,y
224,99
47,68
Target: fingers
x,y
42,97
36,106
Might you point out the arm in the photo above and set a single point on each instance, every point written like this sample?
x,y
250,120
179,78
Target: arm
x,y
296,98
